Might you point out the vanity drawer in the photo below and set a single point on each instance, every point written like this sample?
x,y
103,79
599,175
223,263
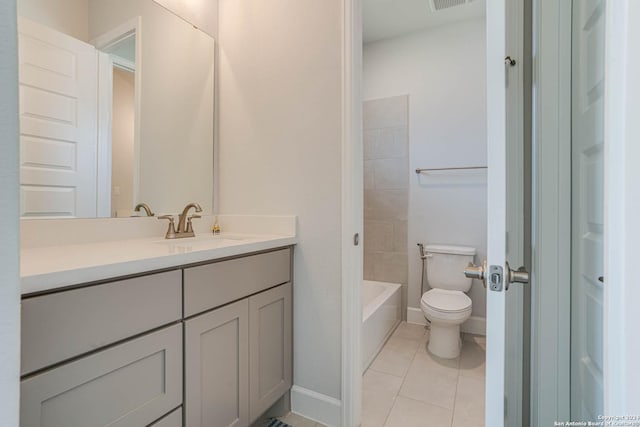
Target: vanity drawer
x,y
59,326
212,285
129,385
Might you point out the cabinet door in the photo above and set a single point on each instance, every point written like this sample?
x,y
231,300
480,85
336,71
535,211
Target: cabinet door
x,y
216,367
270,331
129,385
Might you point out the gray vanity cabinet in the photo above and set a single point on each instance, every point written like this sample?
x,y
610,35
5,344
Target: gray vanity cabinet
x,y
270,337
128,385
126,353
174,419
237,356
216,367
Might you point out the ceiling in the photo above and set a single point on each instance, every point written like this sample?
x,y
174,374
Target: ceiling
x,y
383,19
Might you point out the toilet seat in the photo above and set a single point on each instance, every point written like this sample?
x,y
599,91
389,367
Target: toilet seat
x,y
446,301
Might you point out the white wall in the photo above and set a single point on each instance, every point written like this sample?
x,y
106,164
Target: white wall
x,y
67,16
443,72
280,153
201,13
9,225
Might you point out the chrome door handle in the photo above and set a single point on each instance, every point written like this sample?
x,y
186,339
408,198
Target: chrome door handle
x,y
477,272
521,275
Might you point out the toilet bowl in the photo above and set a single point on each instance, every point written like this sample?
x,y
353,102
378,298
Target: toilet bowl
x,y
446,305
446,310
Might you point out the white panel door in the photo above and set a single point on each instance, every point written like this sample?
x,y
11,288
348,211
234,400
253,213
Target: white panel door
x,y
588,38
58,123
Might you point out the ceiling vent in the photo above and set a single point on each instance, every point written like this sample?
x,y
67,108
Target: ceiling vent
x,y
437,5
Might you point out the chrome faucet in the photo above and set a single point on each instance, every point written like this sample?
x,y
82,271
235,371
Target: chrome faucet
x,y
146,208
185,227
182,218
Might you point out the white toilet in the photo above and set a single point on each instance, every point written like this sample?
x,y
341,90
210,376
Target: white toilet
x,y
446,305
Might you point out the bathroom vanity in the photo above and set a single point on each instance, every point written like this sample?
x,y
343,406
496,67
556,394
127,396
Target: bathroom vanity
x,y
205,340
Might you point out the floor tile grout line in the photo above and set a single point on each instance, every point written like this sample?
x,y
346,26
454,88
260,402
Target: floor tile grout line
x,y
455,398
395,398
382,372
425,403
386,418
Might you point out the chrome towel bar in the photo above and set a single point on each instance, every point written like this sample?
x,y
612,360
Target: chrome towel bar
x,y
419,171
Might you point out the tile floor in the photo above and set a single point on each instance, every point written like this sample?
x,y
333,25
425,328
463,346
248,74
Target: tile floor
x,y
406,386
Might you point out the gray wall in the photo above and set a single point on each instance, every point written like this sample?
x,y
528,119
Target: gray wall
x,y
9,226
386,190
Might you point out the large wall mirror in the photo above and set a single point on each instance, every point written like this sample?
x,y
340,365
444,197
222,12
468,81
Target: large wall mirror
x,y
116,109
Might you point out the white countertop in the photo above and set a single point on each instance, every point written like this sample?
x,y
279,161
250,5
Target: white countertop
x,y
46,268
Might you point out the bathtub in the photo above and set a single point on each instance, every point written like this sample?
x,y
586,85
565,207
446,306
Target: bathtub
x,y
381,313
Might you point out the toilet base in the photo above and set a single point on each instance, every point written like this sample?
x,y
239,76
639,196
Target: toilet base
x,y
444,341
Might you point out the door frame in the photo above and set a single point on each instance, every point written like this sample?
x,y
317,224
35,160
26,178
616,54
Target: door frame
x,y
551,213
622,203
552,217
106,62
551,131
352,213
9,212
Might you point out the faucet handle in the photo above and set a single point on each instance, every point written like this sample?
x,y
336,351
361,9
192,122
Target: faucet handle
x,y
189,225
171,231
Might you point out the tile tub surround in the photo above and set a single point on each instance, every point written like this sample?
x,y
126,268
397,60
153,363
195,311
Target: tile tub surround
x,y
79,261
386,191
407,386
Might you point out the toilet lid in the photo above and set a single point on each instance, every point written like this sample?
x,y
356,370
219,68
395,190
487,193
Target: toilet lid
x,y
446,300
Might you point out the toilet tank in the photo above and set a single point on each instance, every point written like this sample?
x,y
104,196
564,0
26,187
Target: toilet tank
x,y
445,266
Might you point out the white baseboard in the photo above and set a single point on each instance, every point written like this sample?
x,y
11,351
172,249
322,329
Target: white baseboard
x,y
316,406
416,316
475,325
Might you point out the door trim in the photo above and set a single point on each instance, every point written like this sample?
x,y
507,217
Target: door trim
x,y
352,213
9,212
622,202
551,213
105,83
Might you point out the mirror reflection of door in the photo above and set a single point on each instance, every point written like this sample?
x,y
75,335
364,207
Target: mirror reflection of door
x,y
123,128
57,124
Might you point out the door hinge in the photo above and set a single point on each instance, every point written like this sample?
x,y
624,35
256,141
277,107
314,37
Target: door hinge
x,y
356,239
